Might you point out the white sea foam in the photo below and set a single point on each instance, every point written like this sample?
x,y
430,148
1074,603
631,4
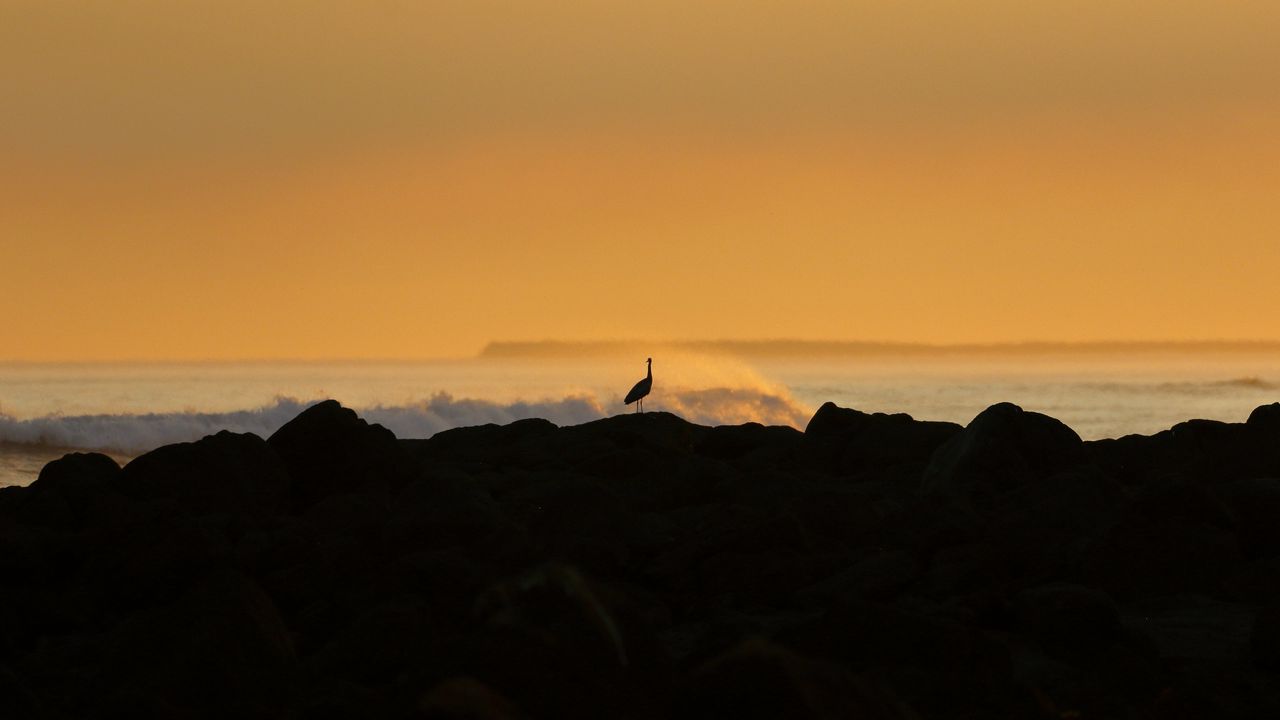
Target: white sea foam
x,y
47,409
134,433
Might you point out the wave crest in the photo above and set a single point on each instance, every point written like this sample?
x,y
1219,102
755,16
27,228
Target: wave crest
x,y
135,433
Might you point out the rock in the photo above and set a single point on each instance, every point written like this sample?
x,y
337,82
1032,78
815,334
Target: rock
x,y
151,563
1215,452
752,445
627,445
345,516
735,556
834,518
466,698
329,449
975,572
77,473
560,645
384,641
1264,639
335,699
1266,418
879,578
68,490
221,650
1254,504
758,679
582,523
1072,623
222,473
1003,448
523,444
1045,527
643,566
1193,632
854,442
1175,537
442,509
932,663
1183,501
1202,451
16,699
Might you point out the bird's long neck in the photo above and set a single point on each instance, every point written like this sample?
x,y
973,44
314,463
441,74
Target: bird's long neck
x,y
649,373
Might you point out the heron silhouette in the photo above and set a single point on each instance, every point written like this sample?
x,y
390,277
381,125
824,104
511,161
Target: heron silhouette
x,y
641,389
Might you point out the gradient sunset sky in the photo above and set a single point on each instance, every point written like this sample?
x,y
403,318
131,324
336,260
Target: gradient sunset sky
x,y
312,179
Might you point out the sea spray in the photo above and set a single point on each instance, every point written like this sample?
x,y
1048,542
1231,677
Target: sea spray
x,y
133,433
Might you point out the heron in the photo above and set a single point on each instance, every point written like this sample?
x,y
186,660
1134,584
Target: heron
x,y
642,388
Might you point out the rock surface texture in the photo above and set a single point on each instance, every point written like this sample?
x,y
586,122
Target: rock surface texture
x,y
873,566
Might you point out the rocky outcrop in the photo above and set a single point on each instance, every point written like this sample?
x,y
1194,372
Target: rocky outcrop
x,y
329,449
853,442
1001,450
642,566
224,473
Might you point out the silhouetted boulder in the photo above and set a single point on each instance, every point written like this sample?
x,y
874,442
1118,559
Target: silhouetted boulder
x,y
466,698
643,566
441,509
654,431
833,518
69,489
751,445
560,645
735,556
329,449
151,562
1216,452
1046,526
1174,537
16,698
1264,639
389,638
348,516
221,650
77,473
582,523
1266,417
933,663
521,442
1003,448
223,473
1070,622
851,441
1254,504
758,679
1204,451
880,577
333,699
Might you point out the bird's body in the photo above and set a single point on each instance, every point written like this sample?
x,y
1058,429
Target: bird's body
x,y
641,388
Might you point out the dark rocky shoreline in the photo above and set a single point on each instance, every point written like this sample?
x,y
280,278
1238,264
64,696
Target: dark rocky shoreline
x,y
872,566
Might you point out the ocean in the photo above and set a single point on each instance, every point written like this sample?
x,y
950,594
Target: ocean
x,y
47,410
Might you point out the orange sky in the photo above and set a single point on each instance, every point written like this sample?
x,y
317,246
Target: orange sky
x,y
396,179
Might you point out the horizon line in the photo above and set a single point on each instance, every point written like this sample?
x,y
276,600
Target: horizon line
x,y
772,347
784,347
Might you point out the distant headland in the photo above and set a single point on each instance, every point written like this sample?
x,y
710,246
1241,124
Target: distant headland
x,y
782,348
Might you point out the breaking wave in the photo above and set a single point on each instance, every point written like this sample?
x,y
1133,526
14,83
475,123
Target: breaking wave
x,y
1240,383
1201,387
1251,383
135,433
